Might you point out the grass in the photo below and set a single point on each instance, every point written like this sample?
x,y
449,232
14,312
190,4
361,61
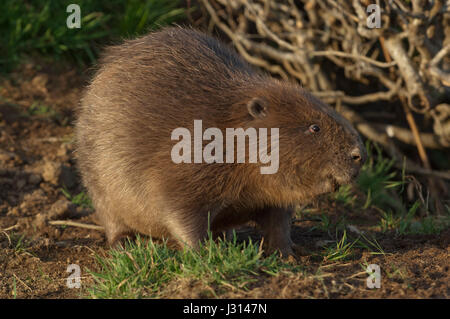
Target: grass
x,y
81,199
44,111
325,223
396,272
30,27
140,16
341,251
345,196
142,269
378,180
370,244
14,292
40,109
17,243
409,223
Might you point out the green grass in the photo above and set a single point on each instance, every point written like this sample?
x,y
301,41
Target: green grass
x,y
140,16
142,269
344,248
325,224
379,181
409,223
341,251
81,199
396,272
345,196
19,246
30,27
18,243
40,109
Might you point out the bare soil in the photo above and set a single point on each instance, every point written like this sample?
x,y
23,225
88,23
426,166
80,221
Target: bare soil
x,y
36,163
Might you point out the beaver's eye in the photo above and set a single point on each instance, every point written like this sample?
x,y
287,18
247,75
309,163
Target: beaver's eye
x,y
314,128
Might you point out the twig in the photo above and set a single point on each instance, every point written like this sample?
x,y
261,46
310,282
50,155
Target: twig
x,y
25,285
75,224
404,135
367,98
354,56
423,171
357,274
10,228
413,83
443,76
7,236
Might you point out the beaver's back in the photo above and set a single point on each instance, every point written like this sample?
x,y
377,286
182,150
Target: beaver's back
x,y
163,80
144,89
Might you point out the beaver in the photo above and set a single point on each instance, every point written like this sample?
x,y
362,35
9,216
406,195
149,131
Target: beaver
x,y
147,87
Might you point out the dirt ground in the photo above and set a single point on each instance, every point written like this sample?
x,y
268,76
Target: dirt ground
x,y
36,163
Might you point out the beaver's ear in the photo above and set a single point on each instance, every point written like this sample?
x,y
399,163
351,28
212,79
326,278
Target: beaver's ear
x,y
257,107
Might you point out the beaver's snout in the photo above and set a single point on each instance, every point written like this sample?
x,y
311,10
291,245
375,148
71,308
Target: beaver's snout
x,y
358,157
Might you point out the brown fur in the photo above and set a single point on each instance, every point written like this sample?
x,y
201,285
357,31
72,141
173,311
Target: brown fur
x,y
147,87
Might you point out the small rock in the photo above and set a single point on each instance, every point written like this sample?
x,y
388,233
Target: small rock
x,y
51,172
355,229
61,208
40,220
63,150
56,173
34,179
36,195
39,83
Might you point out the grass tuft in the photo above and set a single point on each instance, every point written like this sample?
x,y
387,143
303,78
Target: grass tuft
x,y
81,199
141,269
377,180
30,27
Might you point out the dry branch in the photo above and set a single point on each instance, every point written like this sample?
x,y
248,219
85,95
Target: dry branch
x,y
75,224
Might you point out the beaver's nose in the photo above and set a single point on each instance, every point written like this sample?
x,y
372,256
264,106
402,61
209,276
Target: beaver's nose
x,y
357,156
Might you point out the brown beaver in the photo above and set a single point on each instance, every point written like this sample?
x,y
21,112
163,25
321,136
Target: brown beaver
x,y
148,87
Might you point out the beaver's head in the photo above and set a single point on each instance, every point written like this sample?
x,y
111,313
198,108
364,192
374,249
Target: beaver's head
x,y
319,150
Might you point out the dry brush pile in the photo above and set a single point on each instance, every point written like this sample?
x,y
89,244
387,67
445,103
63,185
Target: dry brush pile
x,y
385,68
